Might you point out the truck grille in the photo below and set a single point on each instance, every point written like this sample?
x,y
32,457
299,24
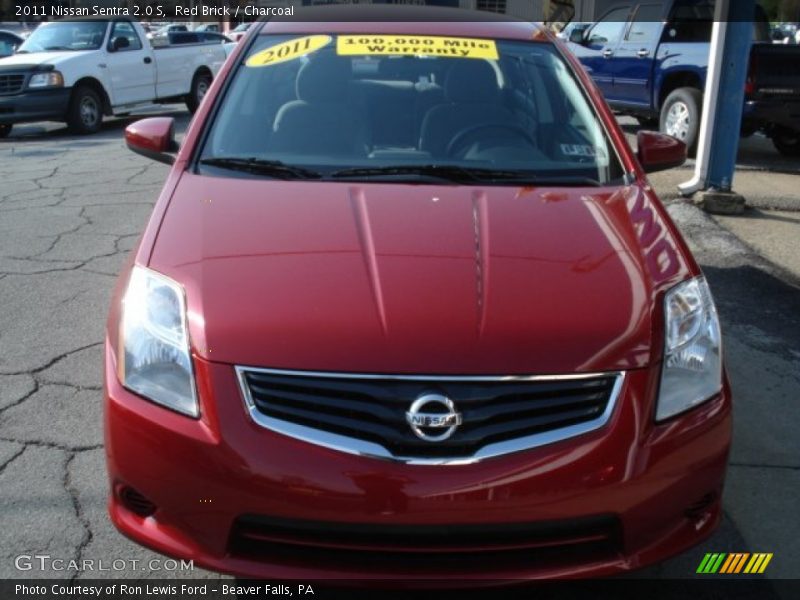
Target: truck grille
x,y
11,83
479,549
366,414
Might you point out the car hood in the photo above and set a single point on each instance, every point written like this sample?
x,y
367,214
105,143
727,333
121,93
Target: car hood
x,y
39,58
389,278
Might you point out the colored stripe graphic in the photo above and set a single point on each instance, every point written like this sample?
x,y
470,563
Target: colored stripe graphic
x,y
757,558
718,564
735,562
765,563
715,567
759,563
703,563
728,563
741,562
731,564
711,563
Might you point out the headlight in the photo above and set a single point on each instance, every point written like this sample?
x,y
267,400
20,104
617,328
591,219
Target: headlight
x,y
692,370
48,79
154,343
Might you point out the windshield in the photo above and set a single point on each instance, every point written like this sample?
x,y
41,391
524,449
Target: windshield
x,y
363,106
66,35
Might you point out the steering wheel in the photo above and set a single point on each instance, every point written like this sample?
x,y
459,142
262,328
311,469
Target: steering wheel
x,y
466,133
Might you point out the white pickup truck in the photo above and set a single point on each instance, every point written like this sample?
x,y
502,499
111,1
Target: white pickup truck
x,y
79,70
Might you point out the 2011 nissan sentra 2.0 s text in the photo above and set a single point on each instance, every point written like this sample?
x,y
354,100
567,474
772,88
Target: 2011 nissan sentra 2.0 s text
x,y
408,308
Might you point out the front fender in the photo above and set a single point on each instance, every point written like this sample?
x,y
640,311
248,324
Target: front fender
x,y
86,66
679,61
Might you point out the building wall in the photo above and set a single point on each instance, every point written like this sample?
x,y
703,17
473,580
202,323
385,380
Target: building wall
x,y
522,9
584,10
603,6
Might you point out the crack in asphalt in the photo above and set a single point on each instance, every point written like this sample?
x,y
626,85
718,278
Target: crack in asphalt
x,y
119,239
74,267
39,187
35,258
142,170
54,445
71,265
70,298
19,401
37,386
72,491
69,486
14,457
58,237
114,275
52,361
81,205
45,271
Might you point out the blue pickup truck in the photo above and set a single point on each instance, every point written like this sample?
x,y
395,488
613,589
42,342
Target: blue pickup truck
x,y
650,61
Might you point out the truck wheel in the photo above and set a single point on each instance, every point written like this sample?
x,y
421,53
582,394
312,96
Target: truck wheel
x,y
5,130
85,112
200,85
787,142
680,116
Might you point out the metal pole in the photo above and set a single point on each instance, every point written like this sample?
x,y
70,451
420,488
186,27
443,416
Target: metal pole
x,y
710,101
730,101
731,41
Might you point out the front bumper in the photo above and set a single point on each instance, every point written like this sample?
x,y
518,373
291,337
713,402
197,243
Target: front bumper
x,y
656,489
40,105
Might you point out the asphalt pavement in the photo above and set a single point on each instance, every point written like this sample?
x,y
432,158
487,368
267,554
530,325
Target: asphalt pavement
x,y
71,208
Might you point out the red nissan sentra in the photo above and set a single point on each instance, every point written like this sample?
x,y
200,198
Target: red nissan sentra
x,y
408,308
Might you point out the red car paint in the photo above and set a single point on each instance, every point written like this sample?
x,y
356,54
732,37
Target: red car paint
x,y
413,279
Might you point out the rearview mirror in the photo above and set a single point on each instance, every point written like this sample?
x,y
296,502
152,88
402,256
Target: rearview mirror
x,y
659,151
120,43
577,35
153,138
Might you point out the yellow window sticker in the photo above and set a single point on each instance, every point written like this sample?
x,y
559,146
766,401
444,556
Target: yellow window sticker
x,y
287,51
416,45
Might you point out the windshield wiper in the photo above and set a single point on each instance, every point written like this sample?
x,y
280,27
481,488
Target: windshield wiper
x,y
460,174
50,48
259,166
563,180
446,172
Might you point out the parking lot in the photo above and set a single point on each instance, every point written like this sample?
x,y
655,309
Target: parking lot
x,y
72,207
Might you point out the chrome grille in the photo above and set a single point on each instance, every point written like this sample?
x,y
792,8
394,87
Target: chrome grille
x,y
11,83
366,414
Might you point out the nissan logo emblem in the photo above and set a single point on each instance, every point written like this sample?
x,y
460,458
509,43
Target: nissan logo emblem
x,y
433,417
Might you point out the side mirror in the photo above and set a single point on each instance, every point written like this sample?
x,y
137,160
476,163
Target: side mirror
x,y
577,35
120,43
659,151
153,138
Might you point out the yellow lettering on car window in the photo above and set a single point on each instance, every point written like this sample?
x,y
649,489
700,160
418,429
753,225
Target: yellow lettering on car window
x,y
415,45
286,51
